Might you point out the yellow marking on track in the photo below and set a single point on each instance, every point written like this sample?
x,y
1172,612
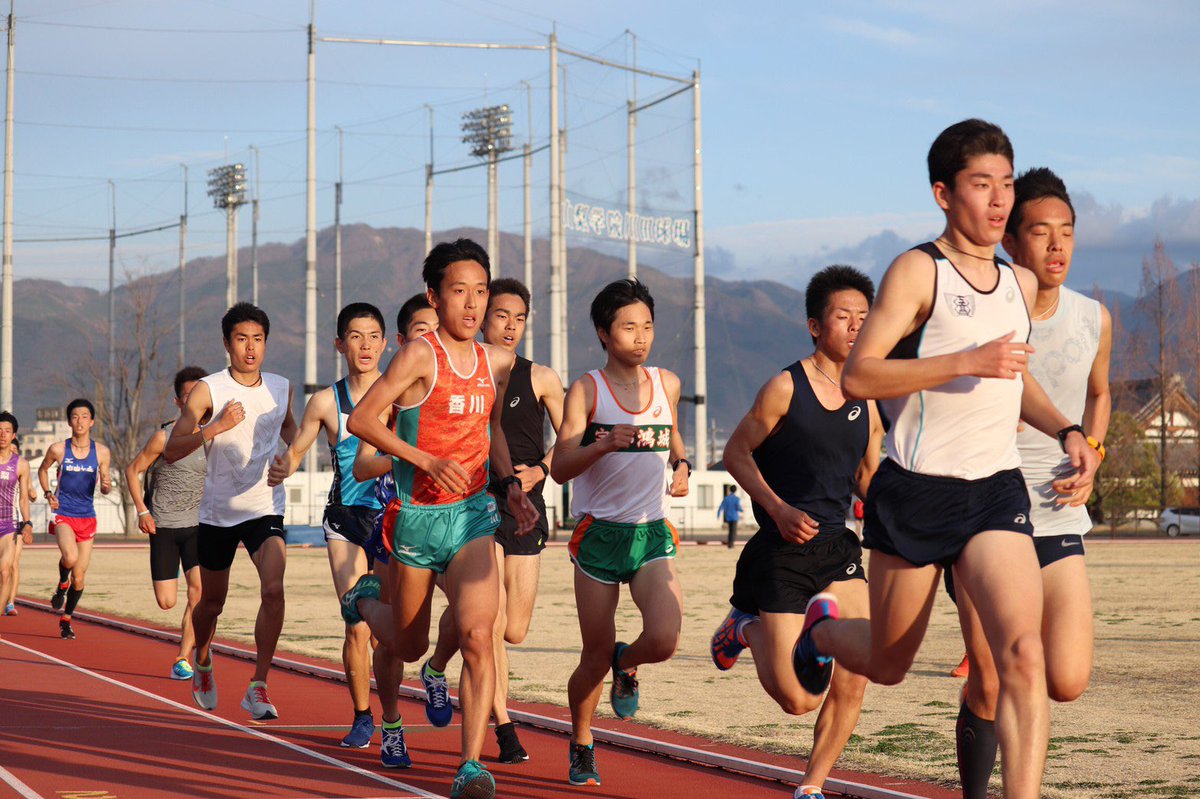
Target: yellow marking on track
x,y
86,794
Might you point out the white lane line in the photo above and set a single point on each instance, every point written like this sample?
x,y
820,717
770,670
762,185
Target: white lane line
x,y
324,758
18,786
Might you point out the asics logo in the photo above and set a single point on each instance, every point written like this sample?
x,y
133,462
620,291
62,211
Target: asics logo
x,y
1020,519
516,401
669,548
657,411
855,412
852,568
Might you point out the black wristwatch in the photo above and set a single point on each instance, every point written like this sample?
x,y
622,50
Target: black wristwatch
x,y
25,523
545,469
512,479
675,465
1066,431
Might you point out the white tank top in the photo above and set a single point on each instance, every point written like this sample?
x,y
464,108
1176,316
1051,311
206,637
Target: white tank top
x,y
235,486
630,486
966,428
1065,347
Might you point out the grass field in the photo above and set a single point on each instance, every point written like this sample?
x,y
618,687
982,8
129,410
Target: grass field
x,y
1136,732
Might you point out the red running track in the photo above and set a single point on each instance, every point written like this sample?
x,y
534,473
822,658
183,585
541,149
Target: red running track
x,y
97,718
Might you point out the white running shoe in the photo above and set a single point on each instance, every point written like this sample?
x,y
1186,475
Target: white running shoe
x,y
204,687
257,703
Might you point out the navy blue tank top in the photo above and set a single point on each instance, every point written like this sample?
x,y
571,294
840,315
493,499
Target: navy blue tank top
x,y
523,419
77,483
811,459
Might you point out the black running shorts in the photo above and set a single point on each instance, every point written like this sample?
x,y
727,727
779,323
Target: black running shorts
x,y
351,523
926,519
218,545
533,542
1049,548
172,548
777,576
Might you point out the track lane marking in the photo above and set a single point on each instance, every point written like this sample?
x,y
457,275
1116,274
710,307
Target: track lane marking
x,y
15,782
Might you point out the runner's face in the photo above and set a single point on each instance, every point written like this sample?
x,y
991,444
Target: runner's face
x,y
247,345
6,436
81,421
981,200
837,331
363,345
631,334
505,326
1045,240
187,387
421,323
462,300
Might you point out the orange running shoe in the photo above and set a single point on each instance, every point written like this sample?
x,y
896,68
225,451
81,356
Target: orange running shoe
x,y
962,669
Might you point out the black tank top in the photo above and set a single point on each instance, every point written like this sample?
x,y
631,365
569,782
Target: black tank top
x,y
810,461
523,418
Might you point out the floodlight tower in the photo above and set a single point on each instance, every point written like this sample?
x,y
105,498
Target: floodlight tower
x,y
489,132
227,187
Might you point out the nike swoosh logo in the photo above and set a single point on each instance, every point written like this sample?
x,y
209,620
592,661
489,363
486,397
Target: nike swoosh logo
x,y
1066,544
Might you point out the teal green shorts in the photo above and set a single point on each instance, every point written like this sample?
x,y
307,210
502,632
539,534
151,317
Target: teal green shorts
x,y
611,552
429,536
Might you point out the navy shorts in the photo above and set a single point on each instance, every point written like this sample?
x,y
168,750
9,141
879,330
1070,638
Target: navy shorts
x,y
351,523
1049,548
778,576
926,519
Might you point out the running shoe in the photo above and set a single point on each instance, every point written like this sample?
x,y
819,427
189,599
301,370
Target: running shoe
x,y
813,669
624,692
10,609
511,750
182,670
64,629
59,598
360,733
438,709
367,587
583,765
204,687
727,642
962,669
393,752
256,703
473,782
808,792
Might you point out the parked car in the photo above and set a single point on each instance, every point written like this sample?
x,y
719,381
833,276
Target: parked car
x,y
1180,521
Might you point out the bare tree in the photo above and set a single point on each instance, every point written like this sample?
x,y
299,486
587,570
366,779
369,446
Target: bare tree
x,y
1160,300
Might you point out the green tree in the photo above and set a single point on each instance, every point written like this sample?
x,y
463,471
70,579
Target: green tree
x,y
1129,478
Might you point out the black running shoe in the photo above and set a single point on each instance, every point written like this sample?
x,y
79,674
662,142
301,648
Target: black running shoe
x,y
583,765
59,599
64,630
511,750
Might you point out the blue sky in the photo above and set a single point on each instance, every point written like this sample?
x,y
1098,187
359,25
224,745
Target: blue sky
x,y
816,119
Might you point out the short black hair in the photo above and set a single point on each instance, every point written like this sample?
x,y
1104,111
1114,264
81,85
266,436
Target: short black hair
x,y
1036,184
244,312
509,285
615,296
417,302
829,281
5,416
188,374
959,143
358,310
80,402
445,253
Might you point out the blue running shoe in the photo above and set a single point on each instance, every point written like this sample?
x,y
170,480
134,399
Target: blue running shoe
x,y
813,669
583,765
473,782
10,609
438,709
360,733
624,692
367,587
727,642
808,792
182,670
393,752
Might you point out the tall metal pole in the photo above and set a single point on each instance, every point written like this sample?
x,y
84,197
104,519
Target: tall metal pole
x,y
563,338
182,263
254,233
231,269
110,399
429,189
556,266
337,246
528,224
632,253
6,302
310,250
493,235
698,308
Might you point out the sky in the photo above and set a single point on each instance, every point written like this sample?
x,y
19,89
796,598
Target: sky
x,y
816,121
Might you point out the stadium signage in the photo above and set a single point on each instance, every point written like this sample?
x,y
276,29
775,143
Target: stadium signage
x,y
596,220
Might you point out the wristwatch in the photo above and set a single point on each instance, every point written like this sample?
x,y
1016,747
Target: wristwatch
x,y
1066,431
512,479
675,465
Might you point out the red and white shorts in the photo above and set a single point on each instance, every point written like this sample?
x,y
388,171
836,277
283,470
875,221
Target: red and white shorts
x,y
84,529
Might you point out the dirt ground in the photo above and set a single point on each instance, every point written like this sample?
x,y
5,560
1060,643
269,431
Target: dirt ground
x,y
1135,732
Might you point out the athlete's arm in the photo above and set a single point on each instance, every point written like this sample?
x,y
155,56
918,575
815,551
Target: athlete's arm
x,y
368,463
770,406
549,391
103,461
414,365
133,478
870,462
287,430
1038,410
903,302
53,455
23,481
1096,411
316,416
681,473
571,459
500,461
187,436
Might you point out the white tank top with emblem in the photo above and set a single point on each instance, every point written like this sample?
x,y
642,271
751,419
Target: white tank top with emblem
x,y
630,486
1065,347
967,427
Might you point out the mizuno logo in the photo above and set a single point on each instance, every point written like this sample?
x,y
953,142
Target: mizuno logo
x,y
482,382
515,402
855,412
406,550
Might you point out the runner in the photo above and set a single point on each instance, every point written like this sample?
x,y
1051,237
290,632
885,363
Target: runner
x,y
251,410
944,349
618,459
352,507
81,461
14,508
415,318
802,452
443,519
19,541
534,393
1073,339
173,521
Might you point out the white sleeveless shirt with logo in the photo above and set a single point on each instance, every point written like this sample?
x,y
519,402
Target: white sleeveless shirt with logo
x,y
967,427
1065,347
235,486
630,486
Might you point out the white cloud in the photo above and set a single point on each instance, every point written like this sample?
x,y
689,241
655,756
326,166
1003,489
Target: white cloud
x,y
880,34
